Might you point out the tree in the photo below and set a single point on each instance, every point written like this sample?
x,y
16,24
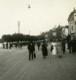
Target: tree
x,y
18,37
7,38
58,32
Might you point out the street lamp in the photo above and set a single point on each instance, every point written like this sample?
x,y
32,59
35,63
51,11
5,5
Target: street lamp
x,y
18,27
29,32
29,6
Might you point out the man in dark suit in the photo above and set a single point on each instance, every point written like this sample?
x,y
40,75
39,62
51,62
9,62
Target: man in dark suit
x,y
31,49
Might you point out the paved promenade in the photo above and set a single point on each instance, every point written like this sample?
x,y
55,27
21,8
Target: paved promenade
x,y
14,65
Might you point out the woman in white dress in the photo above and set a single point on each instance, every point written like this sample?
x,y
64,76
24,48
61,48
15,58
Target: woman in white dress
x,y
53,49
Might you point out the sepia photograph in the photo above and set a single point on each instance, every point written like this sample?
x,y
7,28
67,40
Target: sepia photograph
x,y
37,39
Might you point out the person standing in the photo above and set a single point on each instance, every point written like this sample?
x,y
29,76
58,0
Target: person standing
x,y
7,45
63,46
31,49
53,49
3,46
74,46
70,46
69,43
10,45
59,49
44,49
38,44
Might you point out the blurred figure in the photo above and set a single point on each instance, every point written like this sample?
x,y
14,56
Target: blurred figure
x,y
6,45
63,46
10,45
3,46
74,46
20,45
59,49
16,45
38,44
53,49
70,46
31,49
44,49
69,42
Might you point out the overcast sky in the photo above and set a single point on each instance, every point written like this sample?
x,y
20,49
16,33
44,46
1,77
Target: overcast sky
x,y
42,16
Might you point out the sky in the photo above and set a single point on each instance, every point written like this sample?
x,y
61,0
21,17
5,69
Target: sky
x,y
41,17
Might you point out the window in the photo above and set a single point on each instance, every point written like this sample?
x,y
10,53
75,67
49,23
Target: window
x,y
75,22
72,28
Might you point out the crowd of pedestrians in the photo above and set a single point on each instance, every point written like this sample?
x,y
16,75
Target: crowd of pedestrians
x,y
9,45
31,49
57,49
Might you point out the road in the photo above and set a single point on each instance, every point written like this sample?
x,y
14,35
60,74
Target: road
x,y
14,65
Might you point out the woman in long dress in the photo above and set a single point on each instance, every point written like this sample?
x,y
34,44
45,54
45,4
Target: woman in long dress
x,y
44,50
59,49
53,49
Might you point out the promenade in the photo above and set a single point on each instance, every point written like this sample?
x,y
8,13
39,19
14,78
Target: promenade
x,y
14,65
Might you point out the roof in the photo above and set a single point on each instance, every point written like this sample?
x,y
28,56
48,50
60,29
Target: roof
x,y
71,15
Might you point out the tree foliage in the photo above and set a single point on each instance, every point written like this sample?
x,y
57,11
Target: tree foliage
x,y
21,37
7,38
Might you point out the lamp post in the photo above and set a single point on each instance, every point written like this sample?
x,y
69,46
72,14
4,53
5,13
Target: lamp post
x,y
29,32
18,27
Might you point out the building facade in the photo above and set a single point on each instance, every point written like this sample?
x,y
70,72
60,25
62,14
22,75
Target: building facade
x,y
65,32
72,23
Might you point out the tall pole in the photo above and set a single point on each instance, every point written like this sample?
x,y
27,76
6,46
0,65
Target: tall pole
x,y
29,32
18,27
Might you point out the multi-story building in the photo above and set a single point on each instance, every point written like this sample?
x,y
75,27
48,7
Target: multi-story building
x,y
72,23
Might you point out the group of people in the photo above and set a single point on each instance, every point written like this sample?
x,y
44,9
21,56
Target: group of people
x,y
9,45
55,48
62,46
31,49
